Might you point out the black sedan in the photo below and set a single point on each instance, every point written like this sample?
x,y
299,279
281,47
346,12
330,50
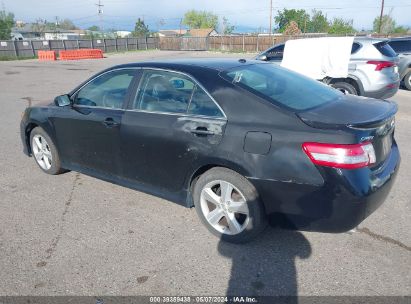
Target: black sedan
x,y
238,140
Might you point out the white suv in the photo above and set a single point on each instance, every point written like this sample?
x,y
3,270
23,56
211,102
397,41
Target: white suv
x,y
372,70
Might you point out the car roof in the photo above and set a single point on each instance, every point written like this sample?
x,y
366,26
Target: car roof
x,y
217,64
359,39
400,38
370,39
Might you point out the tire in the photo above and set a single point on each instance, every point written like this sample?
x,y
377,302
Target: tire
x,y
44,152
237,219
407,81
345,87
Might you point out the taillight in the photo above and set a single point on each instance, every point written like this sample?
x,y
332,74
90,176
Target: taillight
x,y
379,65
340,156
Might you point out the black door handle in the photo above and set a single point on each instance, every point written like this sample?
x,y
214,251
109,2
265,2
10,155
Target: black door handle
x,y
202,131
110,123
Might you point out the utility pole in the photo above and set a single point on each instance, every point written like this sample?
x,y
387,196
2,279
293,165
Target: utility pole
x,y
56,27
382,12
271,16
100,14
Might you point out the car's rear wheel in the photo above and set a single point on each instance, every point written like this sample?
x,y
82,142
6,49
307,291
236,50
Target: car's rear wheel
x,y
229,206
345,87
407,81
44,152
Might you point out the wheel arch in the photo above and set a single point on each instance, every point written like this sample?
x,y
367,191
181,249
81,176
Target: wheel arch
x,y
355,82
29,128
201,169
27,131
406,71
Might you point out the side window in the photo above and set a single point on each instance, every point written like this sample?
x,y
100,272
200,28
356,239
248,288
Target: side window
x,y
169,92
108,90
163,91
355,47
202,104
401,45
276,53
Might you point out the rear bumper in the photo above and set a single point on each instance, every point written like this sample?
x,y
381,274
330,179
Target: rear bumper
x,y
345,199
385,92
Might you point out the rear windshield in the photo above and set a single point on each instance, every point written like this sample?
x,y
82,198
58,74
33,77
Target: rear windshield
x,y
281,86
385,49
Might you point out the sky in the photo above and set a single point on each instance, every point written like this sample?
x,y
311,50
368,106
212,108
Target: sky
x,y
246,15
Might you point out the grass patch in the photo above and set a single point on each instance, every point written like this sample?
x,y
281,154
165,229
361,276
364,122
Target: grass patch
x,y
10,58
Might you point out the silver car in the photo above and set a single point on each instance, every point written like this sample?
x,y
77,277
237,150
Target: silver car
x,y
372,70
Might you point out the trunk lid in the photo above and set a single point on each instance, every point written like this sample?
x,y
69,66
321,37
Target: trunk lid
x,y
372,118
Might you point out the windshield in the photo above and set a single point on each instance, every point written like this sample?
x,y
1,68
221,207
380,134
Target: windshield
x,y
281,86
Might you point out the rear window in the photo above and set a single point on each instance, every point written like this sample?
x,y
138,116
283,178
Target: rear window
x,y
401,45
385,49
281,86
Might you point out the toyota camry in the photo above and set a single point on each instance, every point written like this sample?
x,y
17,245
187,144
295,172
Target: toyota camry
x,y
239,140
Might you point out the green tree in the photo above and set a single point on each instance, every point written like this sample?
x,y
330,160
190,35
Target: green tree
x,y
94,28
318,23
340,26
6,24
227,27
200,19
67,24
284,17
387,25
400,30
140,29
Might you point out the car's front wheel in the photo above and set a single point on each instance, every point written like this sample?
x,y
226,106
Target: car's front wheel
x,y
229,206
44,152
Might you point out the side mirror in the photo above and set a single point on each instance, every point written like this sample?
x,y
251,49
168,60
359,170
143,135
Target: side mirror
x,y
62,101
263,58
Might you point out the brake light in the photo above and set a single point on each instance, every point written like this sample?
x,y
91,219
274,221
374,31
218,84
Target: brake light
x,y
379,65
340,156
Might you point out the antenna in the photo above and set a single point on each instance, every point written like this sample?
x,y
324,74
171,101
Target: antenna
x,y
100,14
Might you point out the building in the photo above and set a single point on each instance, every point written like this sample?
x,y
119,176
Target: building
x,y
60,35
123,34
206,32
172,33
25,32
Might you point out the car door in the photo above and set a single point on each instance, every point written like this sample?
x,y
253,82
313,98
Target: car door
x,y
88,132
171,123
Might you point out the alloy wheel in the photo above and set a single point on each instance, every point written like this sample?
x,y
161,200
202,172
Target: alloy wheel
x,y
224,207
42,152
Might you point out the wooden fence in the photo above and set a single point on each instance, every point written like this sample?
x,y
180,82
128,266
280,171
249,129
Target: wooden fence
x,y
234,43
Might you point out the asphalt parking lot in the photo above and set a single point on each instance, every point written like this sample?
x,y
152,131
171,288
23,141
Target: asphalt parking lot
x,y
75,235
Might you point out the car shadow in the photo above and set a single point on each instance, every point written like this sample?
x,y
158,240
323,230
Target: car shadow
x,y
266,266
